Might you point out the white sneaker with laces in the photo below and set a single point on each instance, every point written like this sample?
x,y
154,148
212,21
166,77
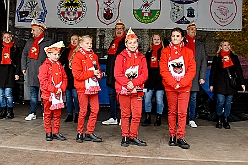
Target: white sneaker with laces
x,y
192,124
31,116
110,121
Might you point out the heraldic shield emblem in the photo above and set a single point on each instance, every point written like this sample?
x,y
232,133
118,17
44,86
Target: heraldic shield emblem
x,y
71,11
223,12
108,11
31,9
184,12
146,11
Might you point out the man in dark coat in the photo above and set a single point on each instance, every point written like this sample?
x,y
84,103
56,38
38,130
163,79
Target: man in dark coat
x,y
116,47
201,66
33,55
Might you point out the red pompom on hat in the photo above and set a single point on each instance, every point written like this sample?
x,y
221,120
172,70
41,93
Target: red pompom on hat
x,y
130,35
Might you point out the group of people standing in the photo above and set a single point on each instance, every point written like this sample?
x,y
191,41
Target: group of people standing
x,y
175,70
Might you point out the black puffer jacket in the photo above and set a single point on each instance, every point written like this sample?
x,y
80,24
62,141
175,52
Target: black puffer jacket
x,y
219,77
8,72
154,80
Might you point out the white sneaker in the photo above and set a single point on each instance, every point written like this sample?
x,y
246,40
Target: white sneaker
x,y
192,124
110,121
120,122
31,116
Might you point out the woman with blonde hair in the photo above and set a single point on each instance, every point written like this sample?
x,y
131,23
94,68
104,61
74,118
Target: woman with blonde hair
x,y
225,63
154,81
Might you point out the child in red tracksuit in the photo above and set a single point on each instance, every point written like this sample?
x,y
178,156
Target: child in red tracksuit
x,y
177,68
85,70
53,82
130,72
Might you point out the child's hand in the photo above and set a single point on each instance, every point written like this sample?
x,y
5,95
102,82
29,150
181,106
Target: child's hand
x,y
130,85
59,91
97,73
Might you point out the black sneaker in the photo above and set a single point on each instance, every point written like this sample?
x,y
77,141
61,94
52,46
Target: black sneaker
x,y
79,138
58,136
49,136
173,141
182,143
138,142
92,137
125,141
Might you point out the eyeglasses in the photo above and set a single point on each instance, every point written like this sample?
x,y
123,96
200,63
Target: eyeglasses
x,y
119,28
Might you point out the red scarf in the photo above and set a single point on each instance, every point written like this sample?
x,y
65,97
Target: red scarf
x,y
132,58
154,58
6,53
35,49
114,46
175,51
71,51
191,43
226,59
88,57
56,73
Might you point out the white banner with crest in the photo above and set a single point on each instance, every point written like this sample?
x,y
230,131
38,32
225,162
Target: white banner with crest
x,y
211,15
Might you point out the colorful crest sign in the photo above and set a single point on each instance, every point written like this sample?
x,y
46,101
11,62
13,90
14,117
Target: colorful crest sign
x,y
146,11
31,9
108,11
184,12
223,12
71,11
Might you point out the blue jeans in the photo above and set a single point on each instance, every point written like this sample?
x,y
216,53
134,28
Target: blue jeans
x,y
159,100
72,97
223,101
6,97
192,105
34,91
112,101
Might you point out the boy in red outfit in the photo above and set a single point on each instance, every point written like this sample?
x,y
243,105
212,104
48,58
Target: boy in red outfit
x,y
53,82
130,73
85,70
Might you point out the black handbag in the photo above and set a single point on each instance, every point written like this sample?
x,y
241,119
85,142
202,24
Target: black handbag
x,y
234,81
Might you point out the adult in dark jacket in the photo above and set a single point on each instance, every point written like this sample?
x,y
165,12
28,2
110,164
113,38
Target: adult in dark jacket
x,y
220,82
201,66
71,93
116,47
154,81
33,55
9,72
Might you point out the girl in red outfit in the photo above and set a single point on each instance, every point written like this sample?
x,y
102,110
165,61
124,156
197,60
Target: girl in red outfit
x,y
130,73
178,68
53,82
85,70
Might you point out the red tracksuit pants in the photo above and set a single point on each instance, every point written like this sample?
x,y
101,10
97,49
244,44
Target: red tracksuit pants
x,y
128,105
51,118
94,109
177,107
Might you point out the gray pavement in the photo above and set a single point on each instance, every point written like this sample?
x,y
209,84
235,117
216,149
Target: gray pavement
x,y
23,142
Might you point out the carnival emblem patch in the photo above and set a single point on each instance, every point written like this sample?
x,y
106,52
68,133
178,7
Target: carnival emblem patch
x,y
31,9
223,12
71,11
146,11
108,11
184,12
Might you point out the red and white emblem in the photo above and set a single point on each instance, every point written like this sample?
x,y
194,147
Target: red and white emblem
x,y
223,12
108,11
